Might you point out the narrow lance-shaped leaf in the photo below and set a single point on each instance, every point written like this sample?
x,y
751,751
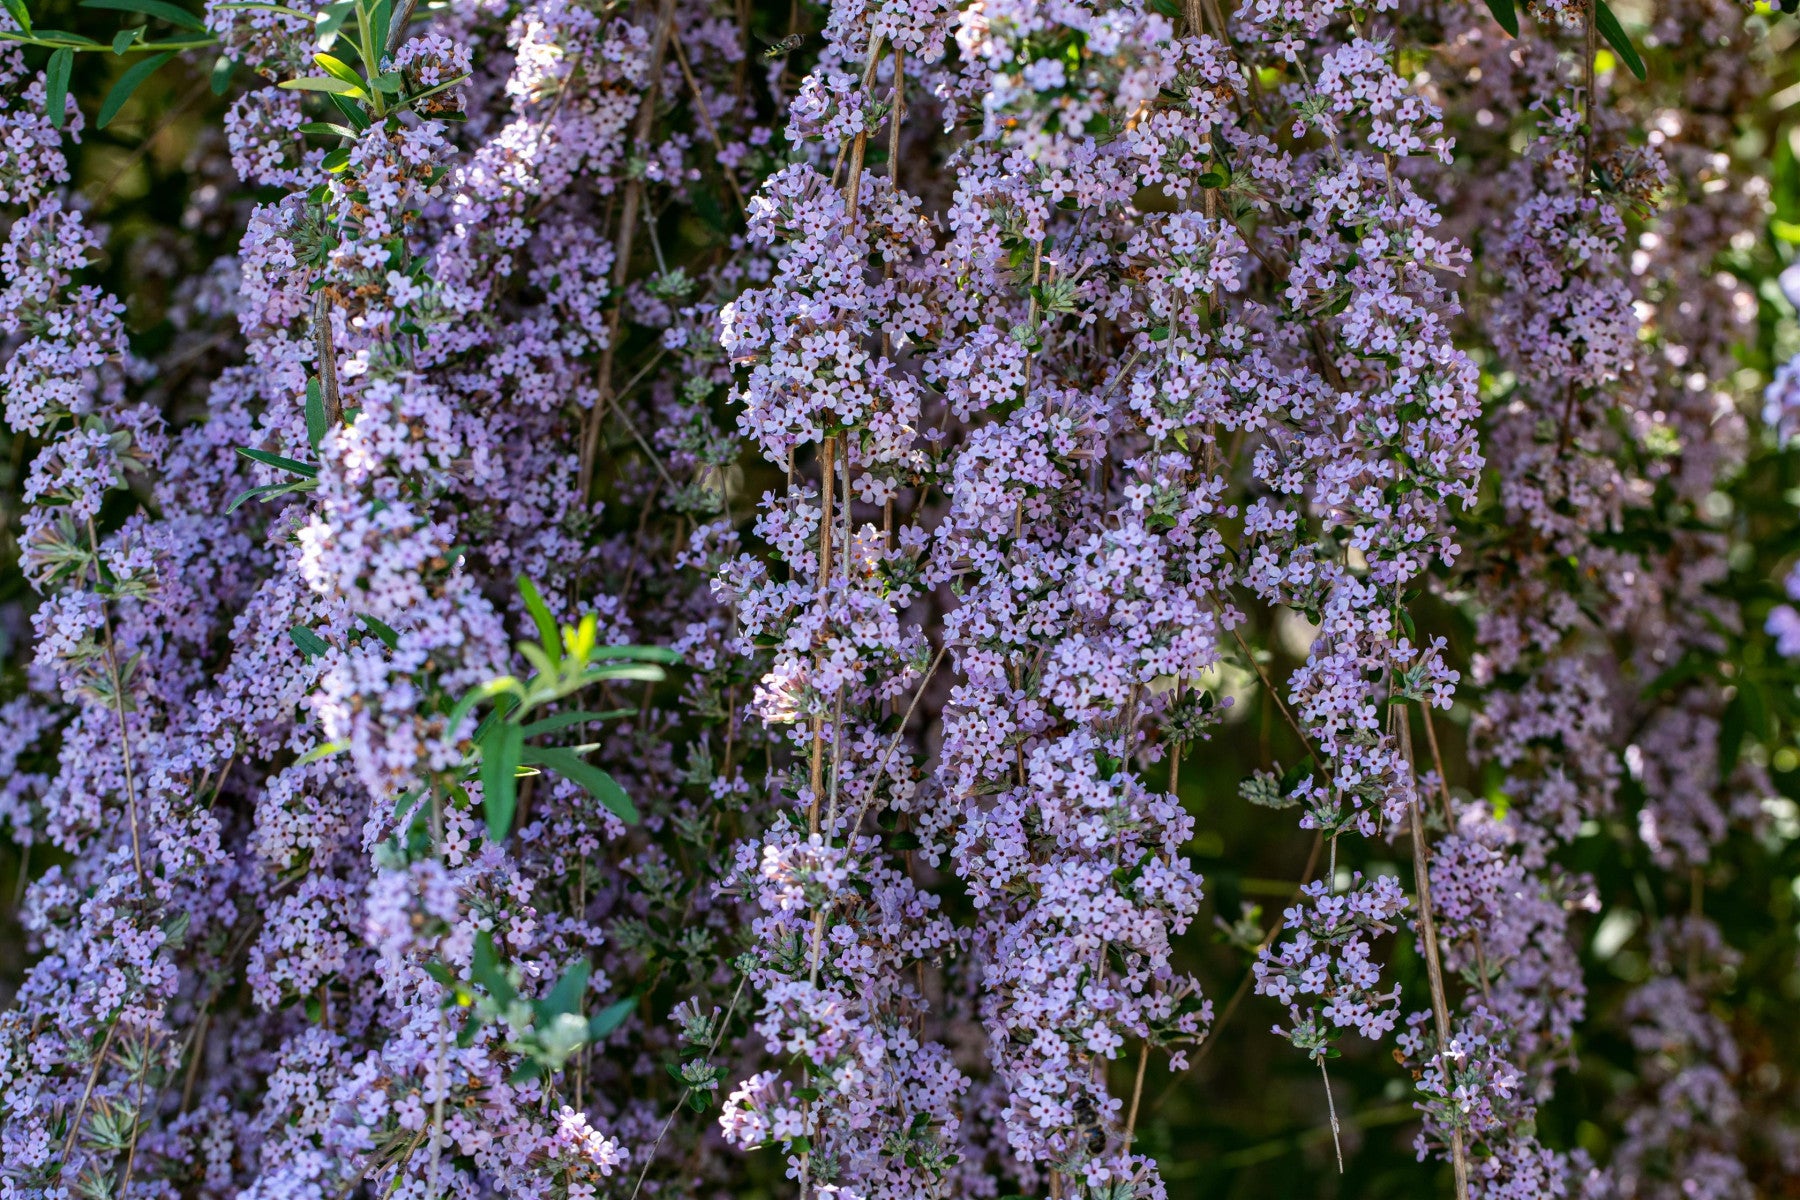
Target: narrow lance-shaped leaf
x,y
565,997
316,428
326,750
499,778
380,629
602,1023
598,783
283,9
270,491
540,616
159,9
322,83
290,465
1506,14
128,84
334,17
56,85
310,643
1614,33
379,20
485,969
20,14
564,720
339,68
659,654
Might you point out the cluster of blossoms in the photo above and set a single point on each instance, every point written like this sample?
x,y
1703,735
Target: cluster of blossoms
x,y
669,614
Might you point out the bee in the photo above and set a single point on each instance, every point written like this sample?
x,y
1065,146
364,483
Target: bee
x,y
1087,1125
786,45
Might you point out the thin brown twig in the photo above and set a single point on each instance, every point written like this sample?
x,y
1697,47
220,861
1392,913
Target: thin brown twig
x,y
718,1036
1437,763
137,1121
1269,686
622,244
1137,1094
1566,425
118,696
1434,967
87,1094
712,130
894,742
397,29
828,454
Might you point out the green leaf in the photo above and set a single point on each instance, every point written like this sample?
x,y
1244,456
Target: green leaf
x,y
310,643
316,428
540,616
320,752
564,720
658,654
152,8
446,86
324,128
485,969
321,83
271,490
292,466
340,68
406,801
335,15
565,997
122,40
645,673
270,8
502,708
1505,14
51,37
499,779
337,160
20,14
1731,736
487,691
222,71
598,783
352,113
277,8
56,85
129,83
1614,33
602,1023
380,629
379,20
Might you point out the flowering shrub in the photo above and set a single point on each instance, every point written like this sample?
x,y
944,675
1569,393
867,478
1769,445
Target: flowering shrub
x,y
697,599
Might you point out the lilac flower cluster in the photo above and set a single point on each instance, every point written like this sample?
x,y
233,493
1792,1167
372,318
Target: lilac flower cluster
x,y
676,639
